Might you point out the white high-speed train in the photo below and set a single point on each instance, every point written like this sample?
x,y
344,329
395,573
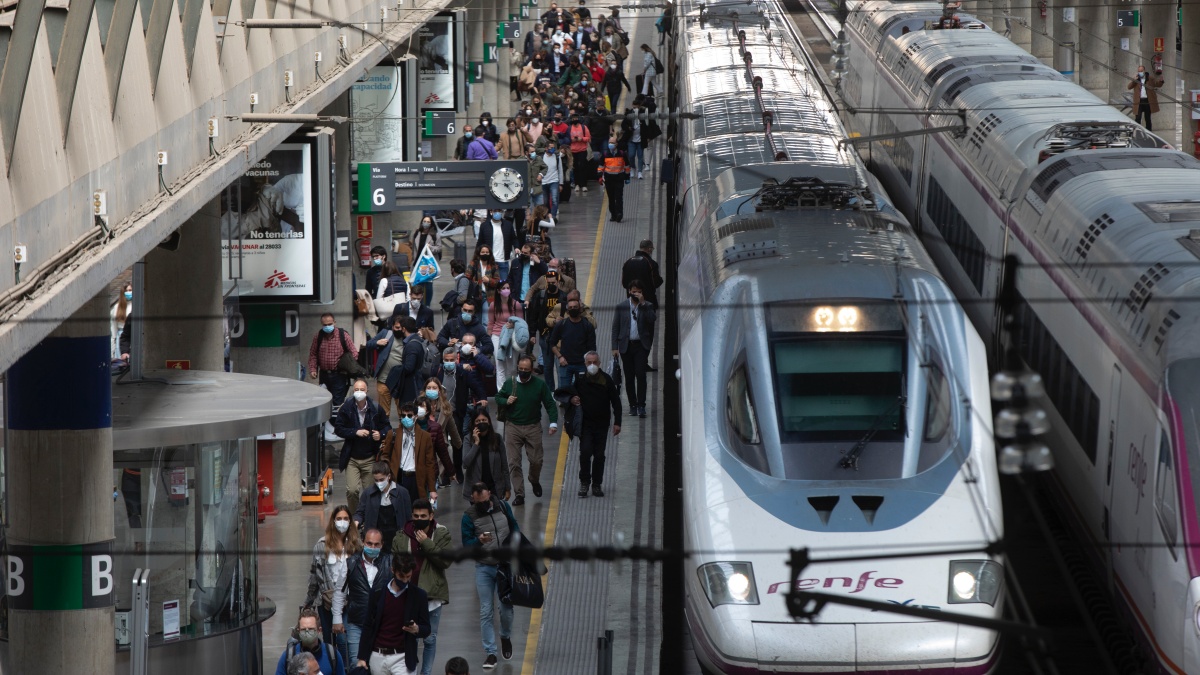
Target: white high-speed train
x,y
1106,224
834,395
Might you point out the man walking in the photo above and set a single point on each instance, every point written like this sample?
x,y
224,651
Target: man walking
x,y
614,177
425,539
362,579
385,505
569,340
361,426
488,524
521,399
397,617
327,347
642,266
632,338
595,392
398,366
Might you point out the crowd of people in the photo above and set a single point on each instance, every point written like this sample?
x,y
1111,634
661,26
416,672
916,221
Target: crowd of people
x,y
463,397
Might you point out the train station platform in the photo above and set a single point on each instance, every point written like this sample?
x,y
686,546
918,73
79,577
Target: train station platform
x,y
583,599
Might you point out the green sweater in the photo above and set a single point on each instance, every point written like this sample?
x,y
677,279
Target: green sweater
x,y
529,396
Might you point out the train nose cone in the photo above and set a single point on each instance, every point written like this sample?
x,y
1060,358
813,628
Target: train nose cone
x,y
826,643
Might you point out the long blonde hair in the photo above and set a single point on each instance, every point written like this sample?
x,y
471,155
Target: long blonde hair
x,y
338,543
444,407
123,304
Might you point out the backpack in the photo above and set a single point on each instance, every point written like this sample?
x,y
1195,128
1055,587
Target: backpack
x,y
433,356
332,655
624,37
658,66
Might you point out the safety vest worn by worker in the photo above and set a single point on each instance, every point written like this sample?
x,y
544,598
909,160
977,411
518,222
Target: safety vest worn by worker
x,y
614,164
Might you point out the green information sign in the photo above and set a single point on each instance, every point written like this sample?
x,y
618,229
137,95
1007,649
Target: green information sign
x,y
60,578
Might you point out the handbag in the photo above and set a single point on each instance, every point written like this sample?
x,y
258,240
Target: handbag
x,y
614,370
502,411
327,599
521,585
347,364
385,304
658,66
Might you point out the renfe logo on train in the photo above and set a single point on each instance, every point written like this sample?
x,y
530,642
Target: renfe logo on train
x,y
845,582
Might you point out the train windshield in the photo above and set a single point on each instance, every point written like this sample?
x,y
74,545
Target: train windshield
x,y
839,371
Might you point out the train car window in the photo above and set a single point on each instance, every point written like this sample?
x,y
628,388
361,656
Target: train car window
x,y
839,387
1165,493
937,403
739,407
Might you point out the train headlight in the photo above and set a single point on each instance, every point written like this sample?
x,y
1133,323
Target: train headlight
x,y
974,581
729,583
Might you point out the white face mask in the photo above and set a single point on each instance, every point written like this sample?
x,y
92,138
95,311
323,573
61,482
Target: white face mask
x,y
421,412
381,484
342,526
593,369
360,396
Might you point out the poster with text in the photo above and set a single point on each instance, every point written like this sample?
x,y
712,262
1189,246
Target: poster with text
x,y
435,43
377,108
267,217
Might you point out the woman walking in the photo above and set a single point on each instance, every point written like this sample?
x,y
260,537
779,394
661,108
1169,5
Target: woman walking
x,y
328,574
649,71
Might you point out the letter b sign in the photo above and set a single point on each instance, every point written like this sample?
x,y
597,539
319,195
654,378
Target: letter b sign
x,y
60,578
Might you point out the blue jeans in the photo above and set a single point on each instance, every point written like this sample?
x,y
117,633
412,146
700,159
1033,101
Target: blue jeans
x,y
503,271
550,192
485,585
538,197
636,156
353,638
430,651
566,374
327,634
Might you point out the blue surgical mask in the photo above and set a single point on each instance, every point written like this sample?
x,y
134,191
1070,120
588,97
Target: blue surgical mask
x,y
408,422
128,295
448,366
551,151
433,393
327,329
469,135
467,316
497,216
377,261
371,552
612,146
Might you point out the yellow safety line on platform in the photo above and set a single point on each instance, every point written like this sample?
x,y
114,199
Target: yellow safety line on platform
x,y
535,619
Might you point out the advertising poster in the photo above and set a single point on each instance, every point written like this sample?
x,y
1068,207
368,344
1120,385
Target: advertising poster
x,y
377,108
435,43
272,219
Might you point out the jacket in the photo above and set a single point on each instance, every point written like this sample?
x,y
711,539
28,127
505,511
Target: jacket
x,y
467,389
416,608
346,425
555,314
530,395
566,284
424,458
455,328
621,322
519,333
536,168
1152,85
460,148
515,274
597,394
512,144
481,148
581,138
319,579
431,574
486,236
613,79
325,652
367,515
613,165
572,342
472,468
357,592
404,380
499,520
540,306
643,268
424,317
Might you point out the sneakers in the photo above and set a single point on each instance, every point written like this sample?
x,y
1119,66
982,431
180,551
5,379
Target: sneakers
x,y
519,500
506,648
596,491
639,175
641,411
633,411
576,188
585,188
583,489
489,662
537,488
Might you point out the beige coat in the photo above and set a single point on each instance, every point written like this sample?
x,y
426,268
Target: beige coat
x,y
1152,85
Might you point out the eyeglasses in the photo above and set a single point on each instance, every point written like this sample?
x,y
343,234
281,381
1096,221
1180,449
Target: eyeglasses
x,y
408,415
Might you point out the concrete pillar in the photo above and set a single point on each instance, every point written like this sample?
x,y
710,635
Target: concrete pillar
x,y
1160,19
1066,41
1191,68
1022,14
288,465
493,73
1042,32
475,54
183,297
1095,55
60,486
1125,61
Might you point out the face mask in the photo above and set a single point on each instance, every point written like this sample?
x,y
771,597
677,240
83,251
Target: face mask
x,y
592,369
523,376
341,525
497,217
420,524
482,508
529,111
551,287
483,427
468,350
504,292
371,552
536,120
467,316
447,366
408,422
422,411
574,312
426,224
613,67
415,303
524,257
432,393
308,637
401,585
327,329
612,147
551,152
128,295
360,395
381,484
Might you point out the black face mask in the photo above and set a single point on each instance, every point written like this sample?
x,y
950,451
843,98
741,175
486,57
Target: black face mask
x,y
420,524
483,428
524,376
482,508
574,312
553,288
524,257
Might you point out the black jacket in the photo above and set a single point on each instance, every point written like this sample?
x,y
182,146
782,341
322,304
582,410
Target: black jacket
x,y
367,514
613,79
346,425
643,268
596,398
536,271
455,328
486,236
358,593
416,608
404,380
424,315
374,274
467,388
